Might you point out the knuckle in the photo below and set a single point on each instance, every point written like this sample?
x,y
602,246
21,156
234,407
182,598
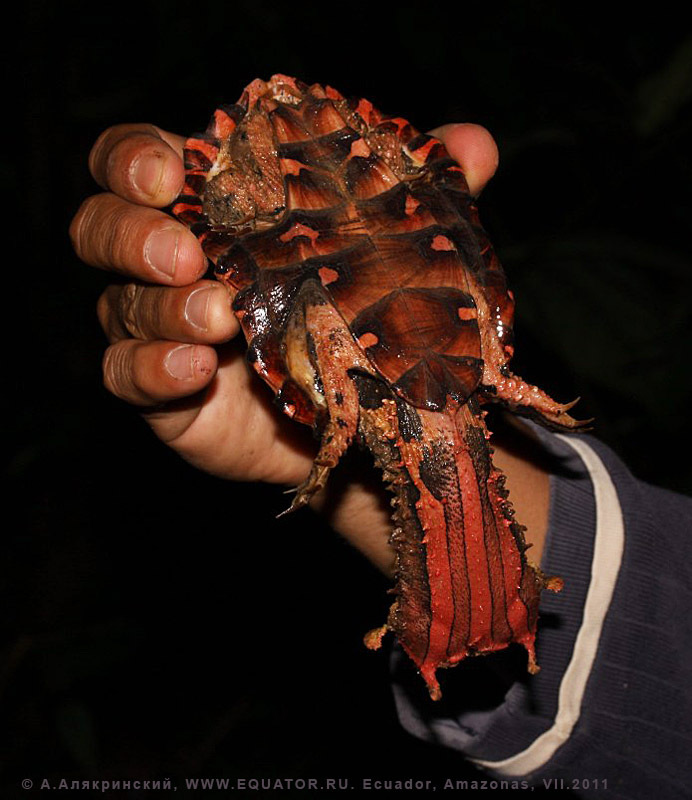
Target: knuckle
x,y
127,309
136,315
120,235
81,226
106,311
103,311
104,231
117,233
117,371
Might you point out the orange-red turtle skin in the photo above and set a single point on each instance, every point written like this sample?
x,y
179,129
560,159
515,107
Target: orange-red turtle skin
x,y
376,309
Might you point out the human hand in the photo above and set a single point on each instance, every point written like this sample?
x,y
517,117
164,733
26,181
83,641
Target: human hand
x,y
174,347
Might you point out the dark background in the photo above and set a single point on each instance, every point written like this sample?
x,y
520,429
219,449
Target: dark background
x,y
158,622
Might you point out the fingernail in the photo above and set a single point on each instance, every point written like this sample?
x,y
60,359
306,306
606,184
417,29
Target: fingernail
x,y
161,251
147,173
197,306
179,363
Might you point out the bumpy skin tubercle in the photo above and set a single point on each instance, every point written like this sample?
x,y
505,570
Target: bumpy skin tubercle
x,y
376,309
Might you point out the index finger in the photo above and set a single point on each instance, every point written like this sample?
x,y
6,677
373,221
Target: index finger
x,y
139,162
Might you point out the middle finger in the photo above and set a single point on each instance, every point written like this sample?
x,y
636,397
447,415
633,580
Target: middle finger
x,y
198,313
143,243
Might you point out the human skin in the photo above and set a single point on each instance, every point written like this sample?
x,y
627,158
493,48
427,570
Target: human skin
x,y
175,351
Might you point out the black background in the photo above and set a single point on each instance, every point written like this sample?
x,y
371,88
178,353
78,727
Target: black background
x,y
160,623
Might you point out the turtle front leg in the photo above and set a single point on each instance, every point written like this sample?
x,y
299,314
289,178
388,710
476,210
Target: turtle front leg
x,y
319,351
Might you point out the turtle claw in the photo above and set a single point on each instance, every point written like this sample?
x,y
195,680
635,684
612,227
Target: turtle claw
x,y
299,501
316,481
